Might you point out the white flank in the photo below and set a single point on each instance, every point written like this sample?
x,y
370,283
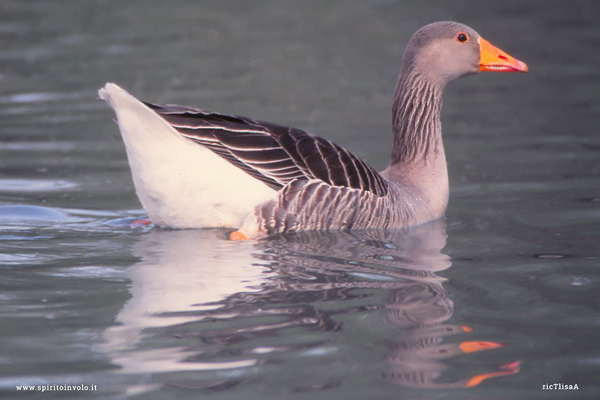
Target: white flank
x,y
181,184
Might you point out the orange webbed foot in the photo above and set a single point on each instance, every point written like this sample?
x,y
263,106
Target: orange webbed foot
x,y
237,235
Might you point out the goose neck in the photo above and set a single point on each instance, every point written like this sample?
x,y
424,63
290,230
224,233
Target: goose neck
x,y
417,127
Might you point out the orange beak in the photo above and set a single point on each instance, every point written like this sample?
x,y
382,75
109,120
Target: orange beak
x,y
494,59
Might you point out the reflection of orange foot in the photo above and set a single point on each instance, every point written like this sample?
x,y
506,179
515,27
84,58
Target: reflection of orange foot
x,y
471,347
506,369
237,235
141,222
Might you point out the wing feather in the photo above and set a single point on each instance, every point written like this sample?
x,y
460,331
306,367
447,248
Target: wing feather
x,y
274,154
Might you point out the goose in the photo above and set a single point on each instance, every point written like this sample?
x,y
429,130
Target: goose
x,y
193,168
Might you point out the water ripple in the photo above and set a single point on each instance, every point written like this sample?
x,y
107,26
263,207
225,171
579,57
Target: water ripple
x,y
34,185
38,97
22,213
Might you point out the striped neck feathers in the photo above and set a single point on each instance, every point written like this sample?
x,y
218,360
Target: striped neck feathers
x,y
416,121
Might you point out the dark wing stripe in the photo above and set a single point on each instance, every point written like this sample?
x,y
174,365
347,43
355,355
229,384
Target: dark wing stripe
x,y
205,131
365,183
313,159
276,166
337,174
239,141
288,176
288,140
260,156
350,168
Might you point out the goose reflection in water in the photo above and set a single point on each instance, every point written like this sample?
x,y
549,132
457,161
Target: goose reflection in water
x,y
237,306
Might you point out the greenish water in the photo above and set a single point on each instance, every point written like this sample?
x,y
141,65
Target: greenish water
x,y
89,297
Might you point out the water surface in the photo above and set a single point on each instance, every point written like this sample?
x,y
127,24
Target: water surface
x,y
494,302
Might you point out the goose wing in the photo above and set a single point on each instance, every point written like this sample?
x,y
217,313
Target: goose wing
x,y
271,153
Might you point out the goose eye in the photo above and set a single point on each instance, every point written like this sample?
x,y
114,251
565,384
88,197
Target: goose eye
x,y
462,37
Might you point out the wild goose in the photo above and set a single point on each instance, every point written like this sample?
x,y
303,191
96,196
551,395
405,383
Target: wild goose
x,y
193,168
